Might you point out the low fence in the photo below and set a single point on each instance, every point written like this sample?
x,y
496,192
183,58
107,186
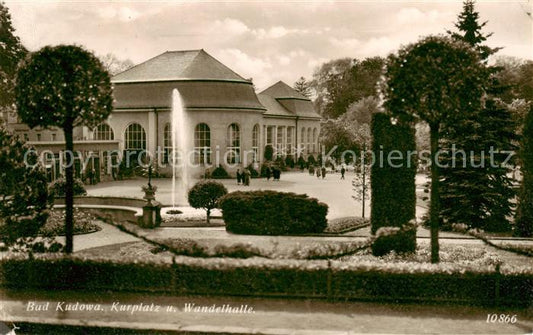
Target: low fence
x,y
272,278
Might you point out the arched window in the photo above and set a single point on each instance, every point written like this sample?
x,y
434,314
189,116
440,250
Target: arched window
x,y
309,143
134,144
202,144
103,132
302,145
167,143
255,141
233,144
315,140
135,137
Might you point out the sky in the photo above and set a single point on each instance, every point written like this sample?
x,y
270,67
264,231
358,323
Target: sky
x,y
267,41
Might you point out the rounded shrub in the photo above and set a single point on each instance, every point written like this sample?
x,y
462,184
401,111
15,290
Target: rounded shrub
x,y
220,173
206,194
301,162
269,153
289,162
312,161
272,213
57,188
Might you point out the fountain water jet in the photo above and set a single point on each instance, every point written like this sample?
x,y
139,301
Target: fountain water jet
x,y
180,146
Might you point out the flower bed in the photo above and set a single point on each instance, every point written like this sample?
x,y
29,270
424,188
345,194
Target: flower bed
x,y
521,249
83,223
450,255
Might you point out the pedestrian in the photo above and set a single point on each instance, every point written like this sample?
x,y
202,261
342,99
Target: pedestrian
x,y
311,170
276,173
268,172
318,172
246,176
89,175
323,172
239,177
343,171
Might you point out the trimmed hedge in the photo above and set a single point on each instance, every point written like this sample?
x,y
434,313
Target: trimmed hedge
x,y
400,240
272,213
251,277
393,187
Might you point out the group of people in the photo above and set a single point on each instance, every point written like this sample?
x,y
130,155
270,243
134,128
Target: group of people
x,y
321,172
244,177
273,172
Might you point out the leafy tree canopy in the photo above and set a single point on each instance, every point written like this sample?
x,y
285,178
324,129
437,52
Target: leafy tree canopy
x,y
63,86
113,65
432,80
11,53
205,194
339,83
361,111
516,74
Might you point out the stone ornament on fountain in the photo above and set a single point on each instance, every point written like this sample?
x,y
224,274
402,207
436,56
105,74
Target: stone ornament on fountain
x,y
152,210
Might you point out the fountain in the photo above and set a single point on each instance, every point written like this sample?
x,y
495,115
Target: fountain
x,y
180,147
180,211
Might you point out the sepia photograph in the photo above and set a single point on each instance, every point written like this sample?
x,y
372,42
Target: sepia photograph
x,y
303,167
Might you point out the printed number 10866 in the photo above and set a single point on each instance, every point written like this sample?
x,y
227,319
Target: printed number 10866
x,y
501,318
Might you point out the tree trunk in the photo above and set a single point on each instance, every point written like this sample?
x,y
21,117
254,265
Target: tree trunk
x,y
435,201
69,190
364,178
208,215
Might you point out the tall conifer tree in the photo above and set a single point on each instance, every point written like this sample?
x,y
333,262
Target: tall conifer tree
x,y
476,189
524,213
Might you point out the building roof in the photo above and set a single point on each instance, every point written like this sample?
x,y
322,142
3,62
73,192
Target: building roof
x,y
281,99
179,65
202,81
280,90
195,94
273,107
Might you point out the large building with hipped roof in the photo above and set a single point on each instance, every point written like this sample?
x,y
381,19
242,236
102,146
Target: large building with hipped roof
x,y
230,124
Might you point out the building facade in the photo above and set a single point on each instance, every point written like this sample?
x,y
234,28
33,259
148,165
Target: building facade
x,y
228,123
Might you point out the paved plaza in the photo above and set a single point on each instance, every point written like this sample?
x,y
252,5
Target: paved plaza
x,y
332,190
